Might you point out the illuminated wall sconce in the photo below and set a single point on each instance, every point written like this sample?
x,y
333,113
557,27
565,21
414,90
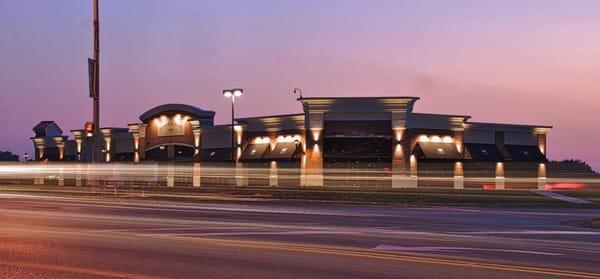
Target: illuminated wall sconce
x,y
435,138
316,133
399,133
447,139
398,150
262,140
423,138
180,120
289,138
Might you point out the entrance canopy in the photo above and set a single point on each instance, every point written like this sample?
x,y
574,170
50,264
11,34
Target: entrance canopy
x,y
254,151
484,152
525,153
283,151
437,150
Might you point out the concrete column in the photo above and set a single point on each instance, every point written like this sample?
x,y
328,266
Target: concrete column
x,y
136,148
273,176
401,152
196,175
61,177
413,179
196,132
400,164
241,174
39,152
38,177
78,173
314,149
314,166
171,174
61,150
500,181
459,177
143,141
90,176
542,176
303,162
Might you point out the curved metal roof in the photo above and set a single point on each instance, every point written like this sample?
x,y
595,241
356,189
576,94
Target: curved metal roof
x,y
191,110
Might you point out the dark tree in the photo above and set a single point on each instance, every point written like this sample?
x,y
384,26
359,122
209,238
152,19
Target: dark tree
x,y
7,156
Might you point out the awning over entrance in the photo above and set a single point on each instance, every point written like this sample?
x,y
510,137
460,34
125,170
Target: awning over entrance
x,y
254,151
283,151
484,152
215,155
437,150
525,153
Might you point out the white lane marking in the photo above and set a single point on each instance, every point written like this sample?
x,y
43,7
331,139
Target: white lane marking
x,y
386,247
532,232
564,198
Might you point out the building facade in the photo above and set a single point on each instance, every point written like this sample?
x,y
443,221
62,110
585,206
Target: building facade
x,y
378,133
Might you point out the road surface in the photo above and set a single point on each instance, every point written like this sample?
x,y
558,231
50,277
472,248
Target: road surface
x,y
61,237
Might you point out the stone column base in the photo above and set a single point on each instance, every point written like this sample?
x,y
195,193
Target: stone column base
x,y
541,183
314,180
404,181
273,180
500,183
459,182
196,175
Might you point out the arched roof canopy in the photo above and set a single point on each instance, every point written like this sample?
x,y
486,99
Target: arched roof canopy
x,y
193,111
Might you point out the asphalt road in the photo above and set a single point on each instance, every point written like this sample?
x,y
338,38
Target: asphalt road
x,y
58,237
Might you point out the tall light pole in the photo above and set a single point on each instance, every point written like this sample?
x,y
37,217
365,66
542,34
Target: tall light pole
x,y
95,86
233,93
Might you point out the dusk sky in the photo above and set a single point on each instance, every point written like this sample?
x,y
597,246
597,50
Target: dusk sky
x,y
531,62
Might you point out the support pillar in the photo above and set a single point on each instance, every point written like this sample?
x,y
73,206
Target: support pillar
x,y
78,179
314,168
459,177
196,176
61,177
273,176
314,144
171,174
542,177
413,179
39,177
241,174
500,181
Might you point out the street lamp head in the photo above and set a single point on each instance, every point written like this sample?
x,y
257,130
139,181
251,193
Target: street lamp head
x,y
227,93
238,92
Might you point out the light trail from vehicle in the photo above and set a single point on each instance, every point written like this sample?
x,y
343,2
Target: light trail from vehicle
x,y
207,174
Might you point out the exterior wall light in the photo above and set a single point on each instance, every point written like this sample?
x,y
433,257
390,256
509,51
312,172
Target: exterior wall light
x,y
436,139
447,139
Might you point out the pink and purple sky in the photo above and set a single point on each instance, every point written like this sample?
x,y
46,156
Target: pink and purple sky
x,y
521,61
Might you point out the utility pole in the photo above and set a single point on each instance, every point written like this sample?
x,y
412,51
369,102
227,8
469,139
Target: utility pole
x,y
97,140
